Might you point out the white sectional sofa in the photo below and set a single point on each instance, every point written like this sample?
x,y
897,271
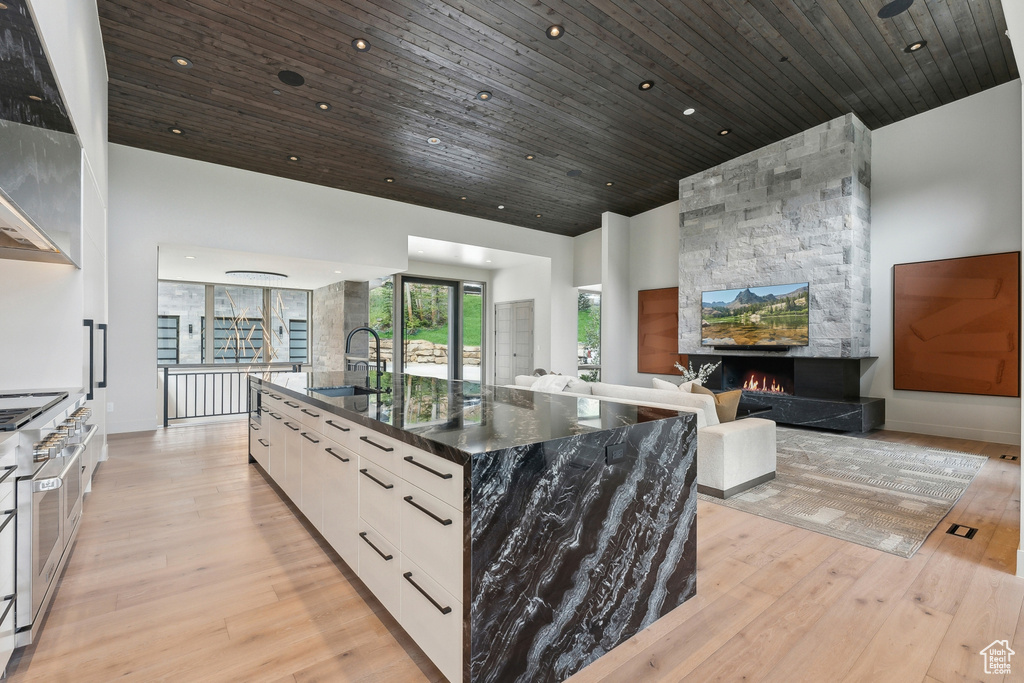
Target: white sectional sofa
x,y
731,456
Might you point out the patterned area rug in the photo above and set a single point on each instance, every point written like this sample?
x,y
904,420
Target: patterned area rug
x,y
877,494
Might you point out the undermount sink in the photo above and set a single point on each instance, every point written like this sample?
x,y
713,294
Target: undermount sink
x,y
346,390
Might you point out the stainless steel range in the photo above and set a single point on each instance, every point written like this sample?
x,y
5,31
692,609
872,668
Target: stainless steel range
x,y
52,447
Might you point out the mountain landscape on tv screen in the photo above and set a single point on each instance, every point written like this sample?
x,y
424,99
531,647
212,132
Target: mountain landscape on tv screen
x,y
756,316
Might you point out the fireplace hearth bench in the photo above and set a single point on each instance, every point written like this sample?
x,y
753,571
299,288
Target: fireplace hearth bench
x,y
731,456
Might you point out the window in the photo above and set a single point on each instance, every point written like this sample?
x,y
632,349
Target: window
x,y
589,335
167,339
251,324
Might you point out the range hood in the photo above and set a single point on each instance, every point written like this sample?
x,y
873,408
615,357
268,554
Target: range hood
x,y
21,239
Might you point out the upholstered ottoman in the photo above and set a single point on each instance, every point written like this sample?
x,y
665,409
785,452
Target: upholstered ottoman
x,y
734,456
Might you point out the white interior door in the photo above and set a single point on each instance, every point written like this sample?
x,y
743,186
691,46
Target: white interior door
x,y
513,341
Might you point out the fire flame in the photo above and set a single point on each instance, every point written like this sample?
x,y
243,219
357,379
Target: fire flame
x,y
765,384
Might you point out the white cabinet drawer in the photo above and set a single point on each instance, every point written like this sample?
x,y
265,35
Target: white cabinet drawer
x,y
379,497
6,630
432,537
341,501
379,568
292,483
433,618
311,417
383,450
312,501
259,445
340,430
435,475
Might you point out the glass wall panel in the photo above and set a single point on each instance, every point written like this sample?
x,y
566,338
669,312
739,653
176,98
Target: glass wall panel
x,y
181,342
472,329
589,335
238,324
289,328
381,318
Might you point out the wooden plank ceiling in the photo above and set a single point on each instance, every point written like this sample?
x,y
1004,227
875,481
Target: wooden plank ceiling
x,y
764,69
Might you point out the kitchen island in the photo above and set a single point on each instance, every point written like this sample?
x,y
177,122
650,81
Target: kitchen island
x,y
515,535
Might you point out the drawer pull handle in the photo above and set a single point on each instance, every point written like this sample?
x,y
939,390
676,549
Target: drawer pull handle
x,y
387,486
435,603
263,443
343,459
309,438
10,515
254,427
386,449
275,397
264,391
387,558
443,475
10,603
442,522
290,426
310,413
291,404
274,415
10,470
338,426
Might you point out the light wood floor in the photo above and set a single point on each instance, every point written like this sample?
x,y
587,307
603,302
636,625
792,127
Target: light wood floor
x,y
189,567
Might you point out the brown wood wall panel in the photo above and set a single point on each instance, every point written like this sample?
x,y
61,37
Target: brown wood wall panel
x,y
956,325
658,331
766,69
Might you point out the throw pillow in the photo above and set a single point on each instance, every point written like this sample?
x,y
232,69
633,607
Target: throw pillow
x,y
726,403
577,386
662,384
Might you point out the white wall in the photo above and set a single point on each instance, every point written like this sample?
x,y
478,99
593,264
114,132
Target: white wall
x,y
653,264
587,259
157,198
944,184
615,297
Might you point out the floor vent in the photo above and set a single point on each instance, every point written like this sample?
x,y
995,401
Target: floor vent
x,y
962,531
1007,456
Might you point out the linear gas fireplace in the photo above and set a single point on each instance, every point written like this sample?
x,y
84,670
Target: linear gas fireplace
x,y
812,392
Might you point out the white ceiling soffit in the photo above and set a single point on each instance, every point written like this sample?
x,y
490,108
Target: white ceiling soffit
x,y
210,265
466,255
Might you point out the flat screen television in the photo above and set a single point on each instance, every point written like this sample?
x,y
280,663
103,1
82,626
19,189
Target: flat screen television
x,y
755,317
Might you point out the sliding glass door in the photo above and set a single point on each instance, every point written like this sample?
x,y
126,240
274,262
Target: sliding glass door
x,y
441,328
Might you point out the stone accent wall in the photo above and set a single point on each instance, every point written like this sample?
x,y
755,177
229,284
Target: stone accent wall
x,y
337,309
421,351
795,211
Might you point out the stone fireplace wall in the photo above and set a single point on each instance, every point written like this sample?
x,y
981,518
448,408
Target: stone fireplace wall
x,y
795,211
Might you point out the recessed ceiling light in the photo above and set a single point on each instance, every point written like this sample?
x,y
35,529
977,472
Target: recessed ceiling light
x,y
914,47
538,215
530,157
461,197
433,141
176,131
725,131
291,78
191,258
361,44
179,277
276,91
323,106
688,111
35,98
501,206
3,6
420,251
555,31
646,85
484,95
487,261
891,9
337,272
389,180
183,62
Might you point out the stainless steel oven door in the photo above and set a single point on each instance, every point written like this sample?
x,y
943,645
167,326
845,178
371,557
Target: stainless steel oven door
x,y
71,486
46,536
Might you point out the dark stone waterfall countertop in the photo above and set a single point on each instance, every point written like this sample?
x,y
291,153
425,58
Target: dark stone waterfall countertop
x,y
459,419
580,516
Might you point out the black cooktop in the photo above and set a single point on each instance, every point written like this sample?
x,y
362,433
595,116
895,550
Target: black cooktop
x,y
17,409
